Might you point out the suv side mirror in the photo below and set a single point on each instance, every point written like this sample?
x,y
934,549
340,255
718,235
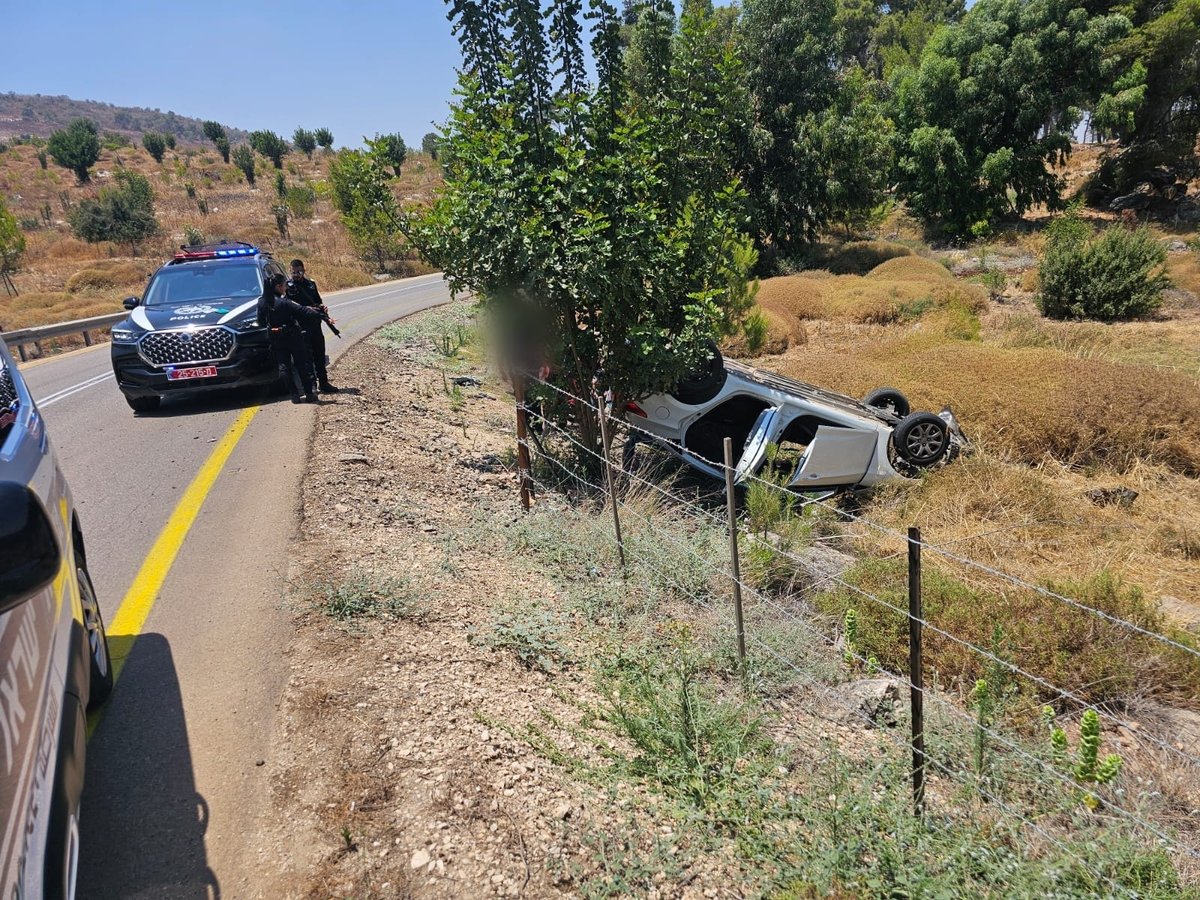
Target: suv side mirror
x,y
132,302
30,557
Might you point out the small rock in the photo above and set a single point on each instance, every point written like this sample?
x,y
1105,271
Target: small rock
x,y
352,458
866,701
563,811
420,859
1112,496
1178,247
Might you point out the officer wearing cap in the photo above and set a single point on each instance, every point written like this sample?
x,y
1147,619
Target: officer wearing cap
x,y
304,291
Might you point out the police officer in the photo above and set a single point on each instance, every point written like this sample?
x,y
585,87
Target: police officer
x,y
285,318
304,291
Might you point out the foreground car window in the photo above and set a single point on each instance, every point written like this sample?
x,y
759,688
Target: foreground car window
x,y
8,402
198,281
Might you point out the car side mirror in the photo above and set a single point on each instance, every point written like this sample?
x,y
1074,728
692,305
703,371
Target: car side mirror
x,y
30,557
132,302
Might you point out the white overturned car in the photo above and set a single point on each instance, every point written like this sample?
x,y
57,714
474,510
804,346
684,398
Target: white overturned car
x,y
826,441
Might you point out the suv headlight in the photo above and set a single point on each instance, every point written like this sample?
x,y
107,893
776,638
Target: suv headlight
x,y
249,323
124,336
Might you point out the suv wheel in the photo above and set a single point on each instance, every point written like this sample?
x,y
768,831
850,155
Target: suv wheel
x,y
889,400
97,638
921,439
143,404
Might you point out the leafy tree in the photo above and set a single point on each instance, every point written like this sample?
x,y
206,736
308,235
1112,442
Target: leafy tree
x,y
648,57
77,147
901,31
305,141
789,47
618,227
368,207
389,151
169,138
155,144
222,145
214,131
994,100
270,145
1119,275
430,144
280,185
12,247
324,138
855,141
123,213
243,158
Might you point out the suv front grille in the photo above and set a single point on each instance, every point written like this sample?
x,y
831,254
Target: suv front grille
x,y
203,345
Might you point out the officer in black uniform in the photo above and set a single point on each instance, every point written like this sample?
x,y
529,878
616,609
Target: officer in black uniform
x,y
285,319
304,291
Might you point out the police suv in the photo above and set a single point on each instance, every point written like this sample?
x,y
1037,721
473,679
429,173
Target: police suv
x,y
54,660
196,327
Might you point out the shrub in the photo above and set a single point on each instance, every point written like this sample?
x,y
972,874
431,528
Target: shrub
x,y
192,235
155,144
12,245
76,147
364,596
243,158
531,634
222,144
105,276
114,140
270,145
42,159
123,212
1119,275
300,200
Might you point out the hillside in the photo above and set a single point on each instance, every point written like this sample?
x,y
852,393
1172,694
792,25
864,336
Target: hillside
x,y
40,114
63,278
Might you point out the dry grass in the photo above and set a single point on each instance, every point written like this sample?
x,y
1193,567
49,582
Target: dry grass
x,y
67,278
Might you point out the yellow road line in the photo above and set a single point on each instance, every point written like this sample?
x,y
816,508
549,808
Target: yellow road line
x,y
139,600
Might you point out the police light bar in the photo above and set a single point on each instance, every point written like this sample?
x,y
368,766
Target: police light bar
x,y
215,252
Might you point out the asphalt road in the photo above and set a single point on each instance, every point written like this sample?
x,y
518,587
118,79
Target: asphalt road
x,y
175,781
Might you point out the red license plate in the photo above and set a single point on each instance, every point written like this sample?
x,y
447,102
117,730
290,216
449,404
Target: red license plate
x,y
194,372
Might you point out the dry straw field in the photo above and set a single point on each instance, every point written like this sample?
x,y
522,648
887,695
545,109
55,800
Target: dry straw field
x,y
64,278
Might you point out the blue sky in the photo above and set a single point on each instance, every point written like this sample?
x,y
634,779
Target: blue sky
x,y
356,67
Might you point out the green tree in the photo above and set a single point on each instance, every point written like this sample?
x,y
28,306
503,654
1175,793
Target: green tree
x,y
214,131
648,56
430,144
902,30
12,247
389,151
169,138
243,158
270,145
361,194
155,144
222,145
305,141
123,213
619,227
324,138
855,141
76,147
993,102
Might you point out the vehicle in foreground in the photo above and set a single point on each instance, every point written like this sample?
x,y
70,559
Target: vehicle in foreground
x,y
816,439
195,329
54,661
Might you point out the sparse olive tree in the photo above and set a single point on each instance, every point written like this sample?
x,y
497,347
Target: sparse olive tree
x,y
305,141
76,147
270,145
155,144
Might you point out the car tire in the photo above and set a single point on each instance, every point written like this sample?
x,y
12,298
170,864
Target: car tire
x,y
705,383
921,439
143,404
888,399
101,682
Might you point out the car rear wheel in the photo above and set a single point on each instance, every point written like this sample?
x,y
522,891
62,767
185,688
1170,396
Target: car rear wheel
x,y
705,383
889,400
97,638
143,404
921,439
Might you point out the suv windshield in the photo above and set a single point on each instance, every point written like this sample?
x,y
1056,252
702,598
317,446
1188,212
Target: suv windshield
x,y
204,281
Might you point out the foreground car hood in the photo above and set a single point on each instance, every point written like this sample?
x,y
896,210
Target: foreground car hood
x,y
207,312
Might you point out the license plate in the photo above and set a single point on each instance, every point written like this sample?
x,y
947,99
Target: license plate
x,y
194,372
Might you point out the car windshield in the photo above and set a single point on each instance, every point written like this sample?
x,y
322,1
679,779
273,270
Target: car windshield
x,y
204,281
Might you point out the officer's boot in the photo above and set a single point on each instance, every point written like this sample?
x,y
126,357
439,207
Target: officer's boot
x,y
323,382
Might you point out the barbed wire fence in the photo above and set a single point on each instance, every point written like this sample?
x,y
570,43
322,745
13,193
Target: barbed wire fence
x,y
1143,811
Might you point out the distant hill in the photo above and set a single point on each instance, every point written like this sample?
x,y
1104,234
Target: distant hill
x,y
41,114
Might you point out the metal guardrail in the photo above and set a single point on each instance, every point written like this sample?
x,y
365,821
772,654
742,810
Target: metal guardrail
x,y
25,336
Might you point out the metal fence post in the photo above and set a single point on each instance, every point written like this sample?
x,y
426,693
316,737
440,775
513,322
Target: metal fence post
x,y
734,562
523,464
916,671
608,475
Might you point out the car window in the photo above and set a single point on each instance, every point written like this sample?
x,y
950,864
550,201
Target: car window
x,y
8,402
204,281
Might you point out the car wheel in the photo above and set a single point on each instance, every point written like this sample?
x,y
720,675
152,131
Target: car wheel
x,y
705,383
921,439
97,638
889,400
143,404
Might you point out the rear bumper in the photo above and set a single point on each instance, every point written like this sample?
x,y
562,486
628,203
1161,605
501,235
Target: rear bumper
x,y
251,365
